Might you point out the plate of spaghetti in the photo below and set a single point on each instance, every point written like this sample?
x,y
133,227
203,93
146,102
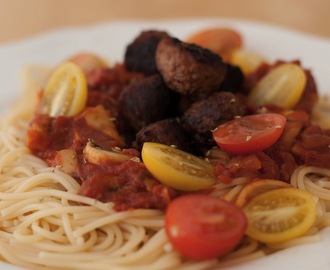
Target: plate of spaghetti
x,y
185,144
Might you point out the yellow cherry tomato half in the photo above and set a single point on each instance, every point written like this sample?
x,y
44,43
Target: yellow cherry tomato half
x,y
282,86
176,168
248,61
66,91
280,215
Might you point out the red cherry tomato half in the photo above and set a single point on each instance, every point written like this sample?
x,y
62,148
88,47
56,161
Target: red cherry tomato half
x,y
201,227
250,134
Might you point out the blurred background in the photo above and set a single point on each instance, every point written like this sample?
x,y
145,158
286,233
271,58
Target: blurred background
x,y
20,19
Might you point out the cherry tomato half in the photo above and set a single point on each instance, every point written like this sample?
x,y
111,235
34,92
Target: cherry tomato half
x,y
66,91
202,227
219,40
176,168
280,215
250,134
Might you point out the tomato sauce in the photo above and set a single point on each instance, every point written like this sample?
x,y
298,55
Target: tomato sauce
x,y
127,184
61,141
301,142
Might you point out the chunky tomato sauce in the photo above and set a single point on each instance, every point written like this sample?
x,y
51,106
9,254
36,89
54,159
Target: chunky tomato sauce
x,y
301,143
61,141
90,148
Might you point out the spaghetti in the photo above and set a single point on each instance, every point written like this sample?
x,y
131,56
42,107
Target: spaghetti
x,y
46,225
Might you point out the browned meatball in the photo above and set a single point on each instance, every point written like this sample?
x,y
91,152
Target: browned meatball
x,y
233,80
144,101
189,69
140,54
205,115
168,131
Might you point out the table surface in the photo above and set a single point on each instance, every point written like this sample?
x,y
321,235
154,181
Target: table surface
x,y
20,19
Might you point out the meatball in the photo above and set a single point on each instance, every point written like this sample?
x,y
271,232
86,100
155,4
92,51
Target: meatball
x,y
144,101
189,69
233,80
140,54
168,131
205,115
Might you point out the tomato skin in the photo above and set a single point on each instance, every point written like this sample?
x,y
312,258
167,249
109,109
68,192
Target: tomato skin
x,y
201,227
249,134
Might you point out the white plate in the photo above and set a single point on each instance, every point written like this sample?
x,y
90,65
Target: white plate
x,y
109,40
